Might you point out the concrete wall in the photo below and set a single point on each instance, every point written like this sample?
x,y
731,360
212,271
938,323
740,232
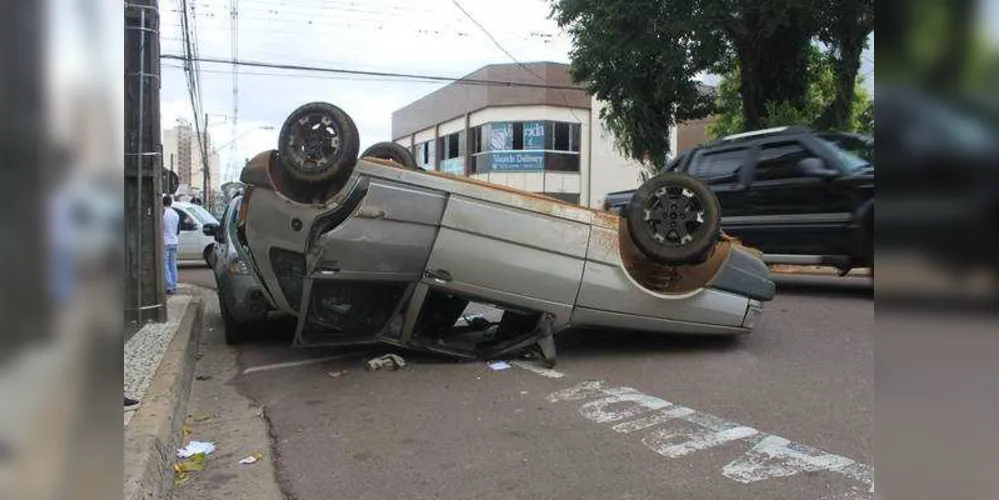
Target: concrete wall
x,y
612,171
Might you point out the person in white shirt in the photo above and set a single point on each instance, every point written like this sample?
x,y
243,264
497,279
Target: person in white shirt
x,y
171,228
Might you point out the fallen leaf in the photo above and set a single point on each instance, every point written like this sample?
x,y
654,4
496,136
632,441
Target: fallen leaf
x,y
204,416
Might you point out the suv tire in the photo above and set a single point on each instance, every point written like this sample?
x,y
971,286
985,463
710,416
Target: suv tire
x,y
674,219
393,152
318,144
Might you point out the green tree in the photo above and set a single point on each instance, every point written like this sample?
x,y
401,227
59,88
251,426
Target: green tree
x,y
848,23
821,92
643,58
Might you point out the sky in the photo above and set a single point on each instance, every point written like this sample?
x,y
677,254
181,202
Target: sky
x,y
430,37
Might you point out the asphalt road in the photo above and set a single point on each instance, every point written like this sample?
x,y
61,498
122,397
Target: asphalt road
x,y
786,412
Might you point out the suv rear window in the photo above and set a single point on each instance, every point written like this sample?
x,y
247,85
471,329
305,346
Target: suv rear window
x,y
719,166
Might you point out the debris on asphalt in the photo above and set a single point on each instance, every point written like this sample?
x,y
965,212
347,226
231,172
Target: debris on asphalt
x,y
252,459
499,365
203,377
183,468
387,361
203,417
196,447
336,374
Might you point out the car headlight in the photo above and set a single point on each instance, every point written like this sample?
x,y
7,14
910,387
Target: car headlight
x,y
753,313
237,266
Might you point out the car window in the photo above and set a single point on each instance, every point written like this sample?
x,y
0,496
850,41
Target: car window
x,y
186,221
780,161
204,216
722,166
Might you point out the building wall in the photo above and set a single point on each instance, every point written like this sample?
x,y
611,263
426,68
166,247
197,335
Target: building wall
x,y
692,133
460,107
612,171
180,141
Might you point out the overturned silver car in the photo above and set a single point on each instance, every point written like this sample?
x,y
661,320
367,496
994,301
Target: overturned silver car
x,y
374,249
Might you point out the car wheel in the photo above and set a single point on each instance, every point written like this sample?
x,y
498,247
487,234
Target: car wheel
x,y
233,330
207,254
391,151
674,219
318,144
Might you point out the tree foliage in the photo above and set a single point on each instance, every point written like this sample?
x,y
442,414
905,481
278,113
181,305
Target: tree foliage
x,y
643,58
821,93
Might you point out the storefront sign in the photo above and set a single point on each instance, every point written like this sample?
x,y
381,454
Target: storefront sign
x,y
534,135
500,136
518,161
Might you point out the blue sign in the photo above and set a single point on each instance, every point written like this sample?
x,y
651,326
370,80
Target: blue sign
x,y
518,161
500,136
534,135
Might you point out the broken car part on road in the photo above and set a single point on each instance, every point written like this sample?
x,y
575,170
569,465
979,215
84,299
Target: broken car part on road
x,y
376,250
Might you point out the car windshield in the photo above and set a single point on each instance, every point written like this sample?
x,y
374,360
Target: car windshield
x,y
846,157
202,215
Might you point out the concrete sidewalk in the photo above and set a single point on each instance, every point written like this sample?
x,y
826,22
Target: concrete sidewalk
x,y
159,366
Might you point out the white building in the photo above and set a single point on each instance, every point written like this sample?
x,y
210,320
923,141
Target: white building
x,y
182,154
537,136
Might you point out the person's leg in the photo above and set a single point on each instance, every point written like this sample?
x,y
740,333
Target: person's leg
x,y
171,268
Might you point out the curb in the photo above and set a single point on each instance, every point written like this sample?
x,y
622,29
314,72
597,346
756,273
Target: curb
x,y
154,433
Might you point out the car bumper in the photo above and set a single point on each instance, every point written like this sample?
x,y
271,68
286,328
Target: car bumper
x,y
246,299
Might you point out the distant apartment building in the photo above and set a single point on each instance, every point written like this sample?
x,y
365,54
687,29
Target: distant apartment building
x,y
182,154
536,137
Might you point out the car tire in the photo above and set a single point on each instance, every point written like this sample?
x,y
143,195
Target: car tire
x,y
318,144
233,329
207,254
393,152
674,219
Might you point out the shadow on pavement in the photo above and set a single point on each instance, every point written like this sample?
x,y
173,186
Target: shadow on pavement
x,y
586,342
860,287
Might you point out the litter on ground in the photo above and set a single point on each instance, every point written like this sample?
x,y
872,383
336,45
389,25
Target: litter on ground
x,y
252,459
387,361
499,365
196,447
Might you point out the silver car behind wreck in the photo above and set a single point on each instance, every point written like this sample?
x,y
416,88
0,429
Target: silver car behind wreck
x,y
377,250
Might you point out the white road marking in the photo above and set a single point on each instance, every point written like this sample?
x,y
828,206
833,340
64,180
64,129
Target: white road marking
x,y
659,417
544,372
775,456
610,409
678,440
292,364
684,431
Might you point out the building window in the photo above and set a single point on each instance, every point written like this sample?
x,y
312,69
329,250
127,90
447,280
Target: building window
x,y
453,142
562,162
525,146
476,139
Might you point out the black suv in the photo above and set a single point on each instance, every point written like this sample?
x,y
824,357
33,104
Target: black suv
x,y
799,196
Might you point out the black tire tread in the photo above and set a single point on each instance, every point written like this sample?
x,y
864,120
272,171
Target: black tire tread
x,y
705,238
342,165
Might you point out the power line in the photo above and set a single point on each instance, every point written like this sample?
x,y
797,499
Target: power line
x,y
514,59
448,79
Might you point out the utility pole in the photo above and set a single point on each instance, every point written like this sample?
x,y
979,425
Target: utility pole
x,y
145,298
206,172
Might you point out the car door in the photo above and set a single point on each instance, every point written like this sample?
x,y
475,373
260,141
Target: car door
x,y
793,212
724,171
187,248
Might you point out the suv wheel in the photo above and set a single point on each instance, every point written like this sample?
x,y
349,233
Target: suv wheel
x,y
674,219
318,144
393,152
